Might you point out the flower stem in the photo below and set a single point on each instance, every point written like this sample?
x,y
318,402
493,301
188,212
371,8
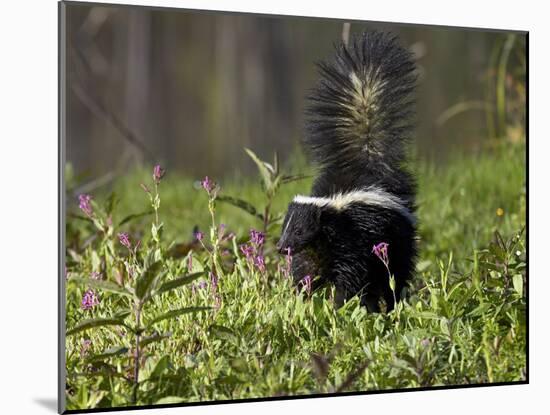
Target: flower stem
x,y
392,285
137,353
156,207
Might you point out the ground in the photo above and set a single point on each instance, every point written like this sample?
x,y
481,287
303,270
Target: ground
x,y
237,328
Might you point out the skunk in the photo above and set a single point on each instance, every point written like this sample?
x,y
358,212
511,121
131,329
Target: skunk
x,y
357,129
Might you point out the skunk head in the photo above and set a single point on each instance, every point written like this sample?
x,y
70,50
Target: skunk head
x,y
300,227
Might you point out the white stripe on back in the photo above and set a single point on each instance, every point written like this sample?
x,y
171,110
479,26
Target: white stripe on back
x,y
371,196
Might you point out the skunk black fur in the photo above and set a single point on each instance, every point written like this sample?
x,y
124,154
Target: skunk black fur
x,y
358,127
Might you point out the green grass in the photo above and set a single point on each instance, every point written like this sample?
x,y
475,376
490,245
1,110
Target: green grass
x,y
463,322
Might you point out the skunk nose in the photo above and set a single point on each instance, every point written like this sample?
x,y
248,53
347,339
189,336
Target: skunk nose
x,y
280,247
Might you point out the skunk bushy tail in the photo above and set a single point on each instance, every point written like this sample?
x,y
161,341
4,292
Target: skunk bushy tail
x,y
359,117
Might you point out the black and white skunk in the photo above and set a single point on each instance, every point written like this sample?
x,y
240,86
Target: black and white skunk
x,y
358,127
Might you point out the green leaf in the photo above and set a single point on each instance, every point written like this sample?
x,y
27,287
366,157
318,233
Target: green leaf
x,y
518,284
178,282
134,216
104,369
497,251
107,286
422,266
239,364
276,163
95,322
274,185
426,315
145,280
151,256
290,179
178,312
96,262
110,203
111,352
160,367
169,400
98,224
154,338
122,314
241,204
224,333
269,167
479,310
156,231
156,202
262,167
79,217
231,380
444,326
158,254
76,257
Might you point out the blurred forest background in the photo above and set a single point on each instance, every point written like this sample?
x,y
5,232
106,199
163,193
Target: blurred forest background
x,y
190,89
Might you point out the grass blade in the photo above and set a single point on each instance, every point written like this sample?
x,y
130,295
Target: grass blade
x,y
290,179
95,322
160,367
169,400
178,282
107,286
154,338
177,313
262,167
224,333
134,216
145,280
241,204
111,352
